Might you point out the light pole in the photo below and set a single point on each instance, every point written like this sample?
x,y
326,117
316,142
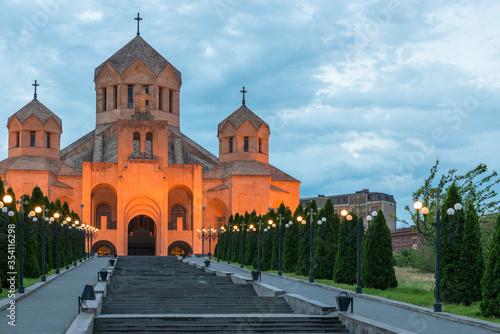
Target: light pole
x,y
219,233
212,233
203,234
434,232
66,223
82,234
21,242
311,238
43,228
55,232
359,231
75,239
7,199
229,231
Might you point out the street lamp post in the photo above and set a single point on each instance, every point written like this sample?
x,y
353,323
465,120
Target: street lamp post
x,y
229,231
311,237
68,227
6,216
82,234
219,233
359,232
55,232
434,232
21,242
212,233
242,241
43,228
201,235
75,239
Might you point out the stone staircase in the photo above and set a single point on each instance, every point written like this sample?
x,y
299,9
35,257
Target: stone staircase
x,y
162,295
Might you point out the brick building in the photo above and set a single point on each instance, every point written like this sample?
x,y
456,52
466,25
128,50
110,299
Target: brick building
x,y
370,201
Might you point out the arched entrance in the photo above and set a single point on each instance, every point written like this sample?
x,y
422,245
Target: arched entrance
x,y
179,248
141,236
103,247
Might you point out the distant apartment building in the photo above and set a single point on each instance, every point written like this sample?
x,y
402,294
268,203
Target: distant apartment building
x,y
369,201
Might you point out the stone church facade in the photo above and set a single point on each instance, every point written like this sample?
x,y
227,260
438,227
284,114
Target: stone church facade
x,y
146,185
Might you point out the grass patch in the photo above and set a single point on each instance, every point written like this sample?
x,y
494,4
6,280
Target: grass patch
x,y
26,282
414,287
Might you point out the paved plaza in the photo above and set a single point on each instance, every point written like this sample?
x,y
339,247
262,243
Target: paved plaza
x,y
51,308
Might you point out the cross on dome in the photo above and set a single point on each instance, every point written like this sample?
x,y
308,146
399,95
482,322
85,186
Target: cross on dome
x,y
35,85
138,18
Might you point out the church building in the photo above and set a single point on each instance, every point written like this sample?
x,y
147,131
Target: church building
x,y
143,183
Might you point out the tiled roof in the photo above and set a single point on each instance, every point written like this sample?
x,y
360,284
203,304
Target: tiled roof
x,y
37,163
238,117
221,187
36,108
137,48
250,168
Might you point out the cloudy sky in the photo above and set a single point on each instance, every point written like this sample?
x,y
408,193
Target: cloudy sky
x,y
358,94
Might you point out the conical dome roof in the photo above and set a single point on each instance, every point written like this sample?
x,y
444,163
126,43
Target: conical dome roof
x,y
239,117
36,108
137,48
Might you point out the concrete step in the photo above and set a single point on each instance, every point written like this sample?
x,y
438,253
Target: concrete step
x,y
219,325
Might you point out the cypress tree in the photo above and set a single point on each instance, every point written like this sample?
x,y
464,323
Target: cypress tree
x,y
490,305
31,256
450,251
325,247
345,270
377,265
291,242
235,240
251,240
471,260
267,243
303,265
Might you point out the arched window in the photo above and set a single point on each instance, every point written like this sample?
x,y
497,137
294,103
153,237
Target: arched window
x,y
137,143
177,215
103,210
149,144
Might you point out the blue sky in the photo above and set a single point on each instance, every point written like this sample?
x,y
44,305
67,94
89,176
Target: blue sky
x,y
358,94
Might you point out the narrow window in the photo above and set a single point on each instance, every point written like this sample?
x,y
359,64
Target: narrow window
x,y
260,145
170,98
149,145
146,90
48,140
115,96
104,98
177,215
231,145
130,99
18,139
160,98
32,139
245,144
137,143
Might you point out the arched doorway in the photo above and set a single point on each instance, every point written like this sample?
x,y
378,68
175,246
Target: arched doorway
x,y
179,248
141,236
103,247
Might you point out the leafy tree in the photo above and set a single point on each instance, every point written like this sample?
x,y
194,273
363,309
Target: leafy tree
x,y
471,260
476,186
377,266
325,247
451,281
286,217
345,270
291,243
490,305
